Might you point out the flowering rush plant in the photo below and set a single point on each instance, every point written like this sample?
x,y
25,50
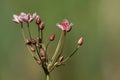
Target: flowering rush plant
x,y
36,45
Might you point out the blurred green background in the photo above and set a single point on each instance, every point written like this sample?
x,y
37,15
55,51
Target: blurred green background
x,y
97,21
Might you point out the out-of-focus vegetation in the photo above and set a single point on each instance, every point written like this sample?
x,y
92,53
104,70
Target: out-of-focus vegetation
x,y
97,21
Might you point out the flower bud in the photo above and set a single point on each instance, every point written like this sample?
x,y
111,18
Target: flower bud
x,y
80,41
38,62
39,45
32,48
33,41
61,58
28,42
40,40
38,20
42,54
42,26
52,37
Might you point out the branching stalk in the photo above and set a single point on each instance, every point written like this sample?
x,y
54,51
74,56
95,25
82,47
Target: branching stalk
x,y
61,40
71,55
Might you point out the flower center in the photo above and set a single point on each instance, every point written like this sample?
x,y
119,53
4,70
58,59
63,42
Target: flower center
x,y
64,24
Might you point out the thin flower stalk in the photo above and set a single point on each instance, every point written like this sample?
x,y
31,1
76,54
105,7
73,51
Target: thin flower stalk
x,y
61,40
29,31
38,33
66,59
24,37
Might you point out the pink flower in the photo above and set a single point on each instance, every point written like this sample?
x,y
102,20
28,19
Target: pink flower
x,y
23,17
65,26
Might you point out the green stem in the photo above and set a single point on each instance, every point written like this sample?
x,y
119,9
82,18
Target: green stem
x,y
29,31
23,33
61,40
24,37
74,51
58,46
41,34
71,54
38,32
62,47
47,77
46,51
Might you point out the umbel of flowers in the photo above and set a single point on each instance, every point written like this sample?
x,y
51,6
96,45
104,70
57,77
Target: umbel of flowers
x,y
36,46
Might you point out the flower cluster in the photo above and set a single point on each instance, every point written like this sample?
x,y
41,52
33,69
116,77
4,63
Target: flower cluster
x,y
36,45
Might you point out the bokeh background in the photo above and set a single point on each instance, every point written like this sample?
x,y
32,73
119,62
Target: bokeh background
x,y
97,21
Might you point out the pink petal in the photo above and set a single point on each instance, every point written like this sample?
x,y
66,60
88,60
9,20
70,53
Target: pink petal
x,y
34,15
15,19
60,26
65,20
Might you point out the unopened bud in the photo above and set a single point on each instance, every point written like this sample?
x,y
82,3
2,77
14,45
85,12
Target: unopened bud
x,y
52,37
40,40
32,48
39,45
38,20
28,42
80,41
61,58
38,62
42,54
33,41
42,26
